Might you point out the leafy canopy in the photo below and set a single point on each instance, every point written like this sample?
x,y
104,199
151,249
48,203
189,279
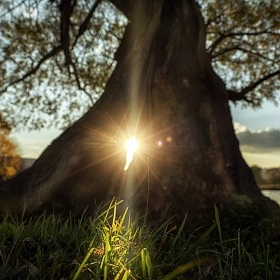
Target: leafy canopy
x,y
56,55
243,39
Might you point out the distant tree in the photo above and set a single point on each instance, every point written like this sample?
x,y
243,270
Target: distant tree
x,y
10,161
161,85
273,176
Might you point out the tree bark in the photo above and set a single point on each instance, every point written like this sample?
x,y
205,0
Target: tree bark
x,y
165,92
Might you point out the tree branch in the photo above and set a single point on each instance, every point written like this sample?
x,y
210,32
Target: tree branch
x,y
235,96
32,71
66,8
211,48
76,75
83,27
222,37
209,21
237,48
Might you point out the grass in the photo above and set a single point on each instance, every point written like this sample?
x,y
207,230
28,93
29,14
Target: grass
x,y
113,246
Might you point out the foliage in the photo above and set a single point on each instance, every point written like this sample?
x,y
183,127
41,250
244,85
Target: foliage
x,y
273,176
117,246
267,177
55,65
35,73
10,162
243,41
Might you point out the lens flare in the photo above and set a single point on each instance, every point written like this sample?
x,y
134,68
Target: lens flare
x,y
131,147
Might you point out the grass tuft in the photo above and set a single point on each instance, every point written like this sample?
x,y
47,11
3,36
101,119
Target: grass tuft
x,y
119,246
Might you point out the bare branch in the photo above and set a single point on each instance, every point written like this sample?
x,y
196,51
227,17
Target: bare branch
x,y
12,8
83,27
76,75
237,48
235,96
234,34
66,8
257,83
209,21
32,71
211,48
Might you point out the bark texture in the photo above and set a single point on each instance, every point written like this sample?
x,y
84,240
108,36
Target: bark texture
x,y
165,92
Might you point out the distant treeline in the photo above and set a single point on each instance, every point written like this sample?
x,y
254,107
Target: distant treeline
x,y
267,178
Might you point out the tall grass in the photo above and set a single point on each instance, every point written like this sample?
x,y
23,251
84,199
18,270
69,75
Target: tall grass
x,y
119,246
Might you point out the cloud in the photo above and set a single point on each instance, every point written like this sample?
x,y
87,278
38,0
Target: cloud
x,y
238,127
260,141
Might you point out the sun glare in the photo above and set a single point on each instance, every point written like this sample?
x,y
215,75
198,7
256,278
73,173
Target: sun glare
x,y
131,147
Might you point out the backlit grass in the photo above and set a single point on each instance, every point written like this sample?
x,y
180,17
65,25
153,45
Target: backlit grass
x,y
112,246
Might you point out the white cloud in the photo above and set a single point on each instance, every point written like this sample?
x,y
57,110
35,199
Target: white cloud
x,y
259,141
238,127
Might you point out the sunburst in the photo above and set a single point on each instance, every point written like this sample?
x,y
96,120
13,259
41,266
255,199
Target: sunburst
x,y
131,147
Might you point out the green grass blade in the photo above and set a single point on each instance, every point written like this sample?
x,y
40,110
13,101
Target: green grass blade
x,y
218,223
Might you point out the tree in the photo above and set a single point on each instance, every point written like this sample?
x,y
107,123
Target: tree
x,y
241,37
10,162
273,176
164,92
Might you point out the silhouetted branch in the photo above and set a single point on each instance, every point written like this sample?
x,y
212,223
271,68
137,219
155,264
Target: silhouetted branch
x,y
52,53
238,48
66,8
222,37
76,75
209,21
235,96
83,27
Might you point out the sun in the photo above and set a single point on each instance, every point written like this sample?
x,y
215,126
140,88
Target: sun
x,y
131,147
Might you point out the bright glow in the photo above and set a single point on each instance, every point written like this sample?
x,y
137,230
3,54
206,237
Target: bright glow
x,y
131,147
168,139
159,143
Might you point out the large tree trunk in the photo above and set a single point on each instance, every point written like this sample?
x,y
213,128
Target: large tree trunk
x,y
165,92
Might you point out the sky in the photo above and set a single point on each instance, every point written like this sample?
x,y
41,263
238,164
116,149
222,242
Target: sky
x,y
258,132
